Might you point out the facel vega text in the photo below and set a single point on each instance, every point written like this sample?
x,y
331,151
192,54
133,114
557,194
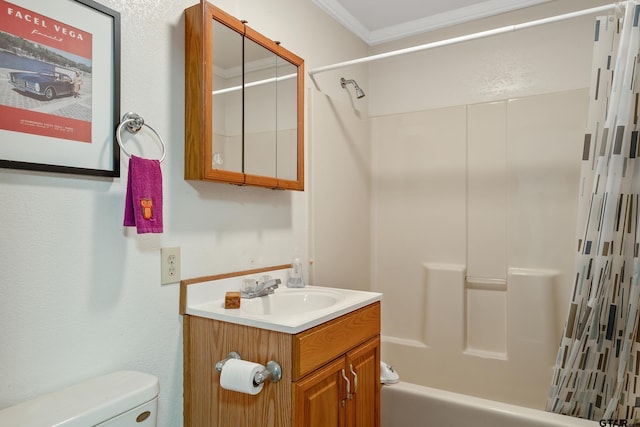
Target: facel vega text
x,y
36,20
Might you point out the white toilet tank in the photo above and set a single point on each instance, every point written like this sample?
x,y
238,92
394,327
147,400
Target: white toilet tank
x,y
120,399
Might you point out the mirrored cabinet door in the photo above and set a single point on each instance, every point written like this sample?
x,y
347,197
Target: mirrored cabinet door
x,y
226,115
244,112
286,121
260,115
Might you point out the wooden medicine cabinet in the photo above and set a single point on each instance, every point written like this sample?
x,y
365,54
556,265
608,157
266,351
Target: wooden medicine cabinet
x,y
244,97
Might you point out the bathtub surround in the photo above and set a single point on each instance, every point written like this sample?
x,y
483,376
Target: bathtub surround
x,y
597,368
474,211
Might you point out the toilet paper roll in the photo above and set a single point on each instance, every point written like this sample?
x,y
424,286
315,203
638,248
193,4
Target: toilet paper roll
x,y
237,375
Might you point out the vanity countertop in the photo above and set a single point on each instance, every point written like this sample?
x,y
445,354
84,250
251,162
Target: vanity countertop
x,y
288,310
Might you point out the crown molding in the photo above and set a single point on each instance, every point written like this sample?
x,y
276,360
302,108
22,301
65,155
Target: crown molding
x,y
422,25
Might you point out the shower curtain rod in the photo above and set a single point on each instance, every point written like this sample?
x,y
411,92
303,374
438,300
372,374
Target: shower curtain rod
x,y
467,37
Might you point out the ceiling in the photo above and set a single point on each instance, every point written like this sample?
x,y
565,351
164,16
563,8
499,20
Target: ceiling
x,y
379,21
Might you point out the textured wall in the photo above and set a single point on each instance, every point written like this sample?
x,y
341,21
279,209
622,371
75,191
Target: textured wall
x,y
80,295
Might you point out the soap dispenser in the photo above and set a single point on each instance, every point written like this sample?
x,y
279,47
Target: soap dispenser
x,y
295,279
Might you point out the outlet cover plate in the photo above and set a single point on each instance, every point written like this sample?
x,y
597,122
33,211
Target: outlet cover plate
x,y
169,265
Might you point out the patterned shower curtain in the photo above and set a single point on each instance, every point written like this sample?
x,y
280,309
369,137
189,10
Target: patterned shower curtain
x,y
598,364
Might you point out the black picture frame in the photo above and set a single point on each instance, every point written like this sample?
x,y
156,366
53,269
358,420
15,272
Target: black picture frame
x,y
98,154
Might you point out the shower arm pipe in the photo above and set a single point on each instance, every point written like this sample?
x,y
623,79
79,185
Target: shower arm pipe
x,y
478,35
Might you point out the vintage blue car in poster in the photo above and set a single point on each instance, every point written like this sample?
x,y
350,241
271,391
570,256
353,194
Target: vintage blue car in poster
x,y
47,84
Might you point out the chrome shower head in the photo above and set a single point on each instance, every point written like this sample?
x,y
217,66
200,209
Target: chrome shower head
x,y
359,92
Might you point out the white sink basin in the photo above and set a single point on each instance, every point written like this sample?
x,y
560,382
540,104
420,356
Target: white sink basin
x,y
288,310
286,303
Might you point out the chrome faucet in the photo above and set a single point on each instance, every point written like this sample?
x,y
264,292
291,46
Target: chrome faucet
x,y
262,288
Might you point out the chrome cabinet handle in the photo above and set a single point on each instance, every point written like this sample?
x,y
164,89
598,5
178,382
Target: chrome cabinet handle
x,y
344,377
355,379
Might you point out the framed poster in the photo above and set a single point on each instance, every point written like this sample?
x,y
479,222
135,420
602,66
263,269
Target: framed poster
x,y
59,86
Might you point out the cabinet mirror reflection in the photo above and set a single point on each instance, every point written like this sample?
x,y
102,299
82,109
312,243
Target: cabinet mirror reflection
x,y
243,114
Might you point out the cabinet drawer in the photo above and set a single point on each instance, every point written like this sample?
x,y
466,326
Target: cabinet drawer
x,y
317,346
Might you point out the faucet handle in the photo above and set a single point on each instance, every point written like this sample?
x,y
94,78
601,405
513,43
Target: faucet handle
x,y
264,278
249,285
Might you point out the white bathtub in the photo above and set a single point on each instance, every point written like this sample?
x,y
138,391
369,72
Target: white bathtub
x,y
411,405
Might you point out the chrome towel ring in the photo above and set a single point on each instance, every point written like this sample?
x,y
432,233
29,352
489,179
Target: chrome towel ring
x,y
134,123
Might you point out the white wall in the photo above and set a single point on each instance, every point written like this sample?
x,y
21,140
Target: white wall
x,y
80,295
340,201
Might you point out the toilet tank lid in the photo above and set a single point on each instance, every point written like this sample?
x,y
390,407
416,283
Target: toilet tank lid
x,y
85,404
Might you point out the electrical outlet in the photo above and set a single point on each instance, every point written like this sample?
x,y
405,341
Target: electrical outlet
x,y
169,265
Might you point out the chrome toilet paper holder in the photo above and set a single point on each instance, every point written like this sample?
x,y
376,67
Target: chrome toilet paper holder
x,y
231,355
272,371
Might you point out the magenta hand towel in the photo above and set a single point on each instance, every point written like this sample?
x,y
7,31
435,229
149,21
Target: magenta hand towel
x,y
143,202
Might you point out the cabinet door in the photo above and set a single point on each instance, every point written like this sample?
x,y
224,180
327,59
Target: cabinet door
x,y
244,104
319,399
363,365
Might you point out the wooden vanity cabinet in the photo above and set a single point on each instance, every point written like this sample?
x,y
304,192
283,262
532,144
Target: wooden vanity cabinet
x,y
316,366
321,399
